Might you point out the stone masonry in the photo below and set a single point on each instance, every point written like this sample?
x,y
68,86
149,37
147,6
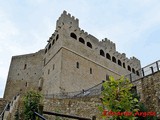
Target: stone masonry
x,y
149,89
72,60
85,107
2,104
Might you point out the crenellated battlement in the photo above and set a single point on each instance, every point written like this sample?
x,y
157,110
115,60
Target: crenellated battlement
x,y
108,44
69,26
66,18
135,60
82,32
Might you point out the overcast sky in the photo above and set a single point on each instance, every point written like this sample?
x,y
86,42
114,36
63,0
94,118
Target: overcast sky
x,y
26,25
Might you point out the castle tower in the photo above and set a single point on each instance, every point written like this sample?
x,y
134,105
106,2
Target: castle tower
x,y
75,60
67,19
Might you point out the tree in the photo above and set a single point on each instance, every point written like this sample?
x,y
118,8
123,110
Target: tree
x,y
117,99
31,101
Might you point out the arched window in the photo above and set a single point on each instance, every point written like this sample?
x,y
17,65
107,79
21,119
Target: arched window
x,y
45,50
114,59
73,36
101,52
133,70
81,40
77,64
137,72
49,46
53,42
124,66
129,68
57,37
119,63
89,44
108,56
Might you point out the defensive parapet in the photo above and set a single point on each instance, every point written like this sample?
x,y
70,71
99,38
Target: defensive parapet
x,y
135,60
67,18
108,44
69,25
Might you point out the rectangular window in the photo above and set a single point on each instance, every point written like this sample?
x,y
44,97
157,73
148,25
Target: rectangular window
x,y
90,70
44,61
26,84
107,77
53,66
25,66
77,64
48,71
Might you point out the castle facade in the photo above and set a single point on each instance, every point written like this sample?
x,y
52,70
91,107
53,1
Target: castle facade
x,y
72,60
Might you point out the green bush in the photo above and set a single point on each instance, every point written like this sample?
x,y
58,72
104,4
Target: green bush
x,y
31,101
117,98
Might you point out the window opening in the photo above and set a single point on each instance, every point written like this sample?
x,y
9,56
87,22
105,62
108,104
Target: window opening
x,y
124,66
90,70
77,64
53,42
107,77
73,36
108,56
137,72
81,40
114,59
133,70
101,52
89,44
25,66
57,37
129,68
49,46
119,63
53,66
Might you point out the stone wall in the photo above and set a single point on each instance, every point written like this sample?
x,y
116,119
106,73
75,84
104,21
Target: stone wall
x,y
24,73
149,89
2,104
83,107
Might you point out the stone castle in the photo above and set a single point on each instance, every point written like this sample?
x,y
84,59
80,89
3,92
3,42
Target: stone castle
x,y
72,60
